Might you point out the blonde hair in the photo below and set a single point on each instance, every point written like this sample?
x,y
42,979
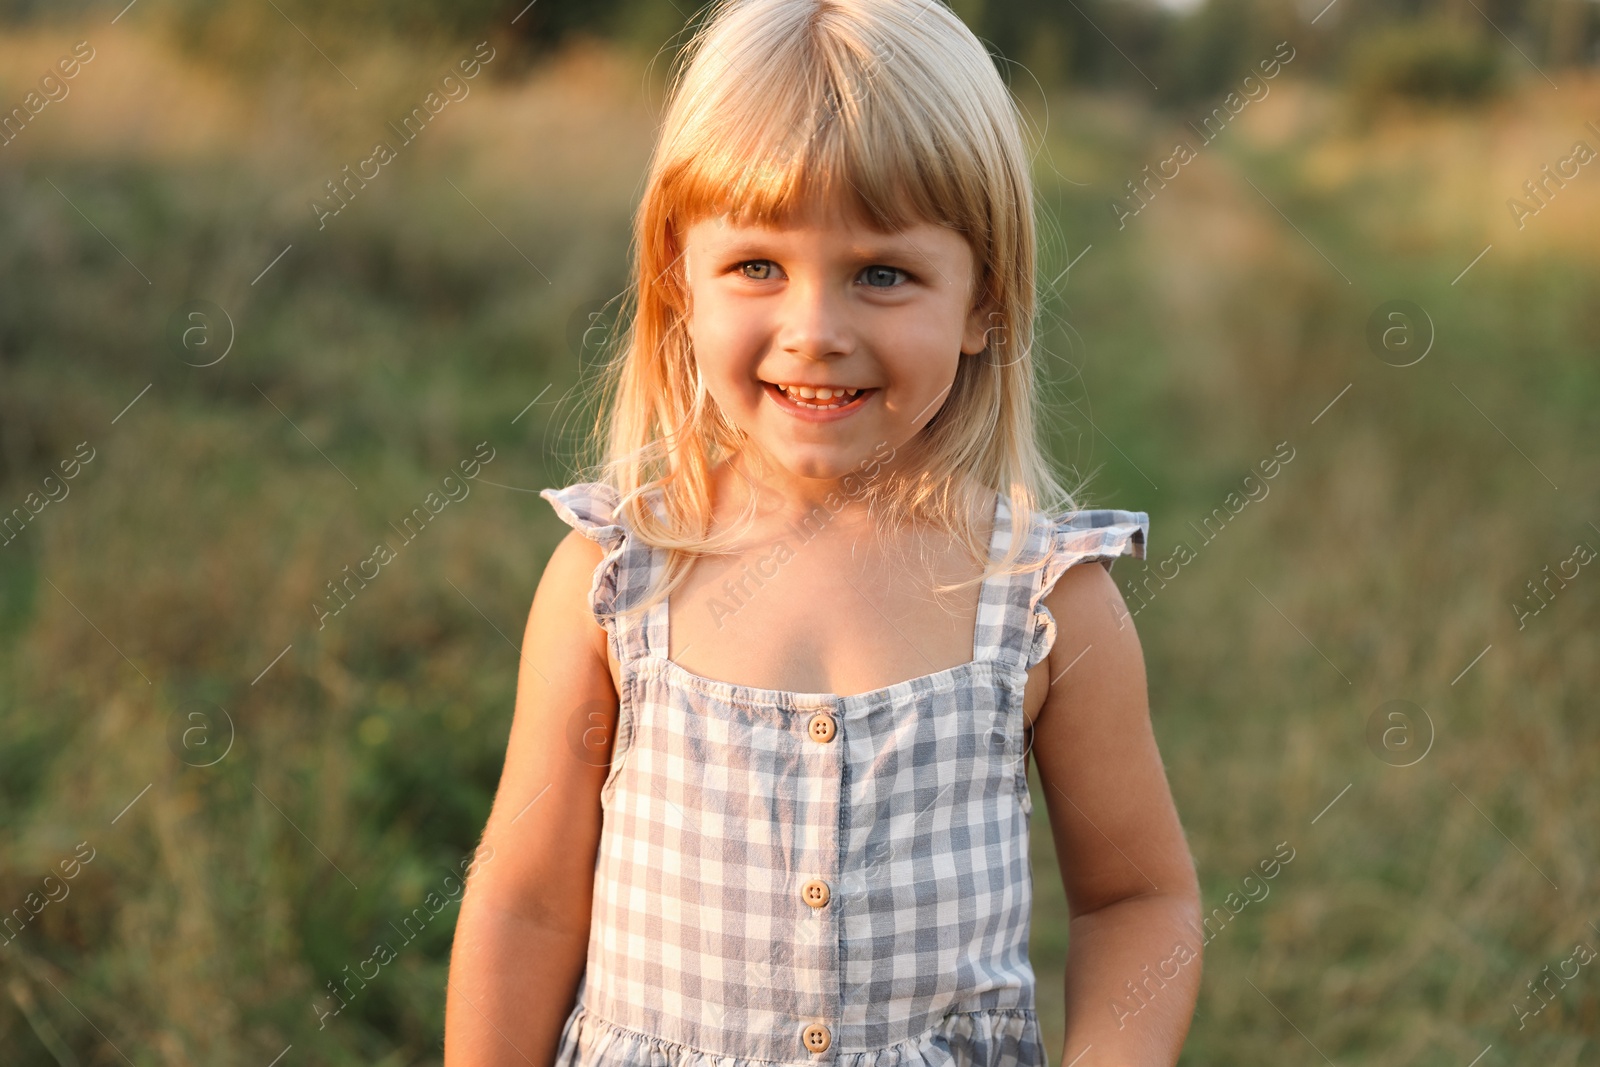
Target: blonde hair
x,y
894,108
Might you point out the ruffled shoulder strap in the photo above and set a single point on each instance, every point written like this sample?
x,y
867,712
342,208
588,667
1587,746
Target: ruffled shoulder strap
x,y
625,572
1102,535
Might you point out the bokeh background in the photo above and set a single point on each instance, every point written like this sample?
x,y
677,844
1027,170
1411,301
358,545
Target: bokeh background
x,y
217,794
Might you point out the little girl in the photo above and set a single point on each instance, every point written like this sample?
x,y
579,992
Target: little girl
x,y
766,796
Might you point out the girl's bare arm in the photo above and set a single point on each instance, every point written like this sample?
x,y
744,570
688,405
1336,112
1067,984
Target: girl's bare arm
x,y
1133,958
522,933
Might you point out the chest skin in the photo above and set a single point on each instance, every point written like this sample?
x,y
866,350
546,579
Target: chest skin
x,y
838,613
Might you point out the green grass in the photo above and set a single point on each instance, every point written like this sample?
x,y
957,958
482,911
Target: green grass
x,y
382,350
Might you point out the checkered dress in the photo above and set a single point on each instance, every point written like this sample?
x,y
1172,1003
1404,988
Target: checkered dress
x,y
731,810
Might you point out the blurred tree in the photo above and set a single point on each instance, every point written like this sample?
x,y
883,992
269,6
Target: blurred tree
x,y
1437,59
1169,52
1209,52
540,24
1103,42
1571,28
231,34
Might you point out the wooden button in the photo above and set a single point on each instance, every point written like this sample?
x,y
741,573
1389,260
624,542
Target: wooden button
x,y
822,727
817,1038
815,892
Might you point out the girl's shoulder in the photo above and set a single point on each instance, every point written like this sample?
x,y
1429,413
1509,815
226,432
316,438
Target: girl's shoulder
x,y
626,565
590,508
1060,539
1066,540
594,509
1099,534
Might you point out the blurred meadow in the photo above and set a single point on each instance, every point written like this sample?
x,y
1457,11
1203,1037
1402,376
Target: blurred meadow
x,y
215,398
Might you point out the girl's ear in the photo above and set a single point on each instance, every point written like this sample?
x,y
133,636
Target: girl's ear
x,y
982,323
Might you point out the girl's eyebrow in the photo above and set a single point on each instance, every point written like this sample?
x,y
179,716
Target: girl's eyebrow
x,y
757,246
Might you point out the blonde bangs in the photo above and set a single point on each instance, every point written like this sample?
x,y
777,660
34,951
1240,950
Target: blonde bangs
x,y
796,173
785,108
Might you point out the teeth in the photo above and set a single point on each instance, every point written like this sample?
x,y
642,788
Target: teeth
x,y
822,394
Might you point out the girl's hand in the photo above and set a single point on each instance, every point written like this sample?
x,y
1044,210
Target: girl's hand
x,y
1133,963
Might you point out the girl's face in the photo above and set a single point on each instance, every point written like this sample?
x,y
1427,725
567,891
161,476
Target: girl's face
x,y
828,302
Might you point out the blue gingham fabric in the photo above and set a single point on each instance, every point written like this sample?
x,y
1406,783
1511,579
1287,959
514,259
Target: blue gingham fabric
x,y
721,804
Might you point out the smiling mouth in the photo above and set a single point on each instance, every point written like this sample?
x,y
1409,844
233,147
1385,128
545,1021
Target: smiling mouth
x,y
837,399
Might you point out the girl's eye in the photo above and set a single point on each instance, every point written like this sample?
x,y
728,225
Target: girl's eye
x,y
883,277
758,270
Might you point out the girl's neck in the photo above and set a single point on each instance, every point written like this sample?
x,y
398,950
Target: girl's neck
x,y
786,502
783,498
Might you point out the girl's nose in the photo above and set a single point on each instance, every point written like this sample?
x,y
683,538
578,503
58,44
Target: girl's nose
x,y
814,321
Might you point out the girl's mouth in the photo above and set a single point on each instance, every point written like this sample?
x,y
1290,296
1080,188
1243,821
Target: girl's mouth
x,y
818,409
